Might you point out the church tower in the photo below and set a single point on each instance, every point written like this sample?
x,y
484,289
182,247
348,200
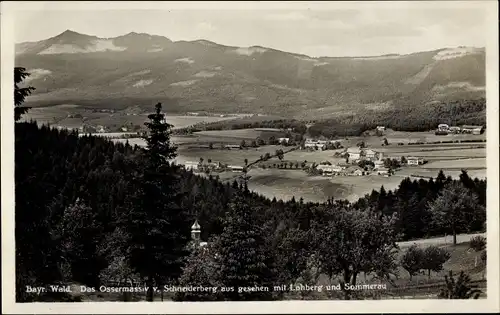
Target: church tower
x,y
196,233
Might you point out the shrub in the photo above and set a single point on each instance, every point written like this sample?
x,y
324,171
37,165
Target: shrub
x,y
478,243
459,288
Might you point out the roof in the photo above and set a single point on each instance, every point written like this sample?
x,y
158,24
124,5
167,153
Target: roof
x,y
471,127
370,151
354,168
195,226
354,150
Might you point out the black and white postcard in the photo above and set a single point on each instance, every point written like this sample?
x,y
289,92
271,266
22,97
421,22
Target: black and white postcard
x,y
255,157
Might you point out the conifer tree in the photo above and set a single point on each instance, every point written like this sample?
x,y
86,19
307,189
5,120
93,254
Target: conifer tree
x,y
157,227
20,94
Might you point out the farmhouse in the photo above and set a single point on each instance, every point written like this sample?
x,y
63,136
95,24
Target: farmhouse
x,y
370,154
232,146
314,145
330,169
443,127
286,140
191,166
354,153
378,164
355,171
415,161
383,171
475,130
236,168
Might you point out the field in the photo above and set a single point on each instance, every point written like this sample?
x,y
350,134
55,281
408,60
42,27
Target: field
x,y
58,116
285,184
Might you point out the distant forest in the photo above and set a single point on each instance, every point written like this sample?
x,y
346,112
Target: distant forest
x,y
407,118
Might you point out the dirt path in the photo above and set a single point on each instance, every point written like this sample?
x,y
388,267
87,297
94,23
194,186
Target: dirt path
x,y
461,238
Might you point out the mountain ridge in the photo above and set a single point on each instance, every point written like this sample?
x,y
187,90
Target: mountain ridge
x,y
139,68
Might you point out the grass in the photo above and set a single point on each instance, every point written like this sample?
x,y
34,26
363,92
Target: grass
x,y
285,184
243,134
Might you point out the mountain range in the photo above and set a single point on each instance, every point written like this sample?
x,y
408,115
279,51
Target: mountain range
x,y
141,69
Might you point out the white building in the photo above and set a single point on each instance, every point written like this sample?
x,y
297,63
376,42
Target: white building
x,y
378,164
236,168
383,171
286,140
354,153
191,166
475,130
443,127
330,169
415,161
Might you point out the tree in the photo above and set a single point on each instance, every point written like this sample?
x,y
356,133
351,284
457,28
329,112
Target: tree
x,y
386,142
201,270
80,236
361,144
279,153
412,260
20,94
243,143
156,225
241,253
354,241
459,288
454,208
434,258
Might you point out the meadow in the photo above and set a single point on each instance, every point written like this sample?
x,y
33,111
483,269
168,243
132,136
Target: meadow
x,y
285,184
58,116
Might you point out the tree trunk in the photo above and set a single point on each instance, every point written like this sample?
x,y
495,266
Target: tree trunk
x,y
149,293
454,237
428,274
347,278
411,276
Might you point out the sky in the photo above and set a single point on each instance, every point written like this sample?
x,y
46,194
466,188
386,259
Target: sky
x,y
356,30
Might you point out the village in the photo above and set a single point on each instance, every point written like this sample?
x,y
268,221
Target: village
x,y
354,160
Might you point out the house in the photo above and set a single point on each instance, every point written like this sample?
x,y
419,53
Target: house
x,y
354,171
455,129
232,146
383,171
100,129
475,130
330,169
443,127
236,168
191,166
415,161
370,154
314,145
354,153
380,128
378,164
124,129
286,140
